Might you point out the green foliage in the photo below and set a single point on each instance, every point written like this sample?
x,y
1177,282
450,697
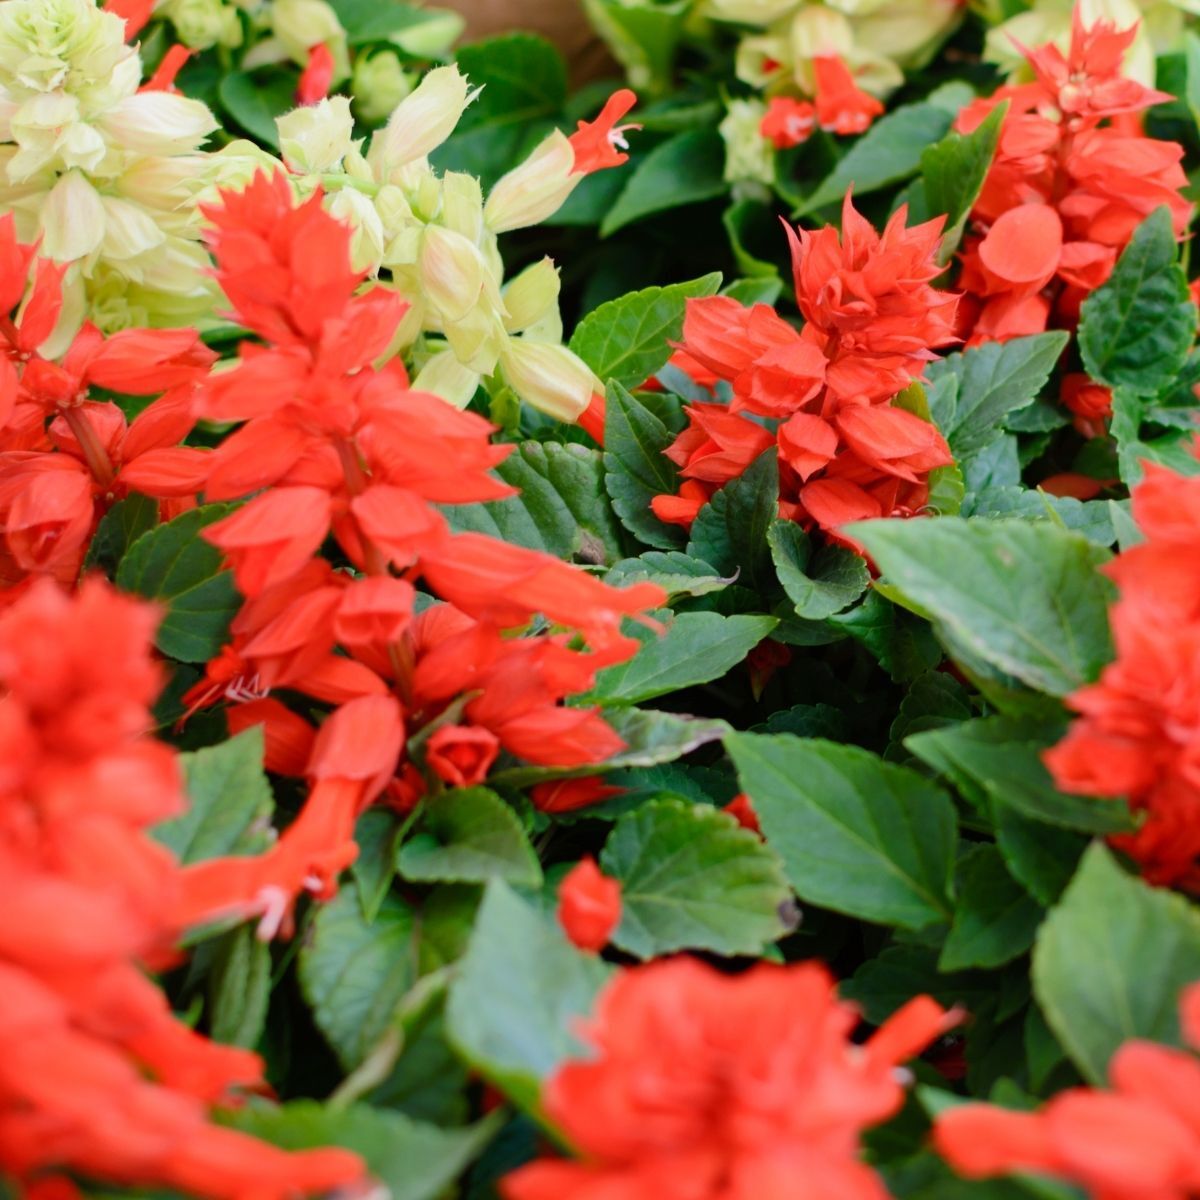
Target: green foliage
x,y
730,531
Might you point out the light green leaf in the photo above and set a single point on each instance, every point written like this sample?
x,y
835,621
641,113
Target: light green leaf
x,y
675,572
1025,598
239,988
629,339
856,834
692,879
469,836
255,101
1111,960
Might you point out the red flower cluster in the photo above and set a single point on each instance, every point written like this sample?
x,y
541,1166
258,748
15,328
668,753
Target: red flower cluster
x,y
65,459
333,447
1139,734
1072,178
705,1086
97,1076
839,105
823,394
1140,1141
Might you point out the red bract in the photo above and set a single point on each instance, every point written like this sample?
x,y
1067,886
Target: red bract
x,y
96,1074
704,1086
1139,1141
601,143
846,452
334,447
1072,178
589,905
1140,723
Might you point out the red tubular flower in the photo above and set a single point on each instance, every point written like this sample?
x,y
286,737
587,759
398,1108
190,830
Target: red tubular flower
x,y
1139,724
1139,1140
461,755
841,105
788,122
589,905
599,144
317,75
702,1086
567,795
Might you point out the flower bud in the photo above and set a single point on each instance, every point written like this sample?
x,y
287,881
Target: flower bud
x,y
201,24
301,24
378,84
432,36
422,121
551,378
72,219
452,272
366,243
462,205
747,153
315,138
536,189
530,297
751,12
445,376
158,123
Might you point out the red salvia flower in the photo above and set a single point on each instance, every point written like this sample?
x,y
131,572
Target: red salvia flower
x,y
589,905
701,1086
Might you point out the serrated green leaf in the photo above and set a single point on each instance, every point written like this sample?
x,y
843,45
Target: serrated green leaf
x,y
355,972
1024,597
685,169
887,153
1135,330
730,531
412,1159
469,836
175,566
562,508
650,738
995,919
678,574
518,993
636,470
254,102
629,339
119,528
993,381
239,988
692,878
229,801
1111,960
1003,757
819,584
1092,518
695,648
856,834
376,834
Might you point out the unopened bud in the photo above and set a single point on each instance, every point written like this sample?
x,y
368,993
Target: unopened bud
x,y
378,84
452,272
367,242
531,296
536,189
422,121
462,205
301,24
315,138
551,378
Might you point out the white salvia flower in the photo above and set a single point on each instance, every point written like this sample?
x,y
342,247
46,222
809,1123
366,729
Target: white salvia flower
x,y
316,138
201,24
422,121
157,123
549,377
748,155
72,219
378,83
445,376
451,272
534,190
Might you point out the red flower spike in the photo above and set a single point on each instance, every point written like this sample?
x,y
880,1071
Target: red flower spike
x,y
599,144
589,906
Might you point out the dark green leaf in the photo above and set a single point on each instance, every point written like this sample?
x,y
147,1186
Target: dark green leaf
x,y
1024,597
995,919
1135,330
376,834
730,531
692,878
1041,857
630,338
820,584
676,573
119,528
1111,960
904,644
175,566
254,102
522,75
239,988
519,991
856,834
469,836
1092,518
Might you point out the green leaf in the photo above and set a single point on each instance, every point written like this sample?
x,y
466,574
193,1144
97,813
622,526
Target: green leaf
x,y
887,153
696,648
1135,331
175,566
421,32
629,339
254,102
1041,857
993,380
562,510
1003,757
730,531
229,801
518,993
903,643
523,77
692,879
676,573
650,738
995,919
1092,518
355,972
469,836
856,834
376,833
1111,961
818,585
953,171
412,1159
1172,450
685,169
239,988
119,528
636,470
643,39
1025,598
